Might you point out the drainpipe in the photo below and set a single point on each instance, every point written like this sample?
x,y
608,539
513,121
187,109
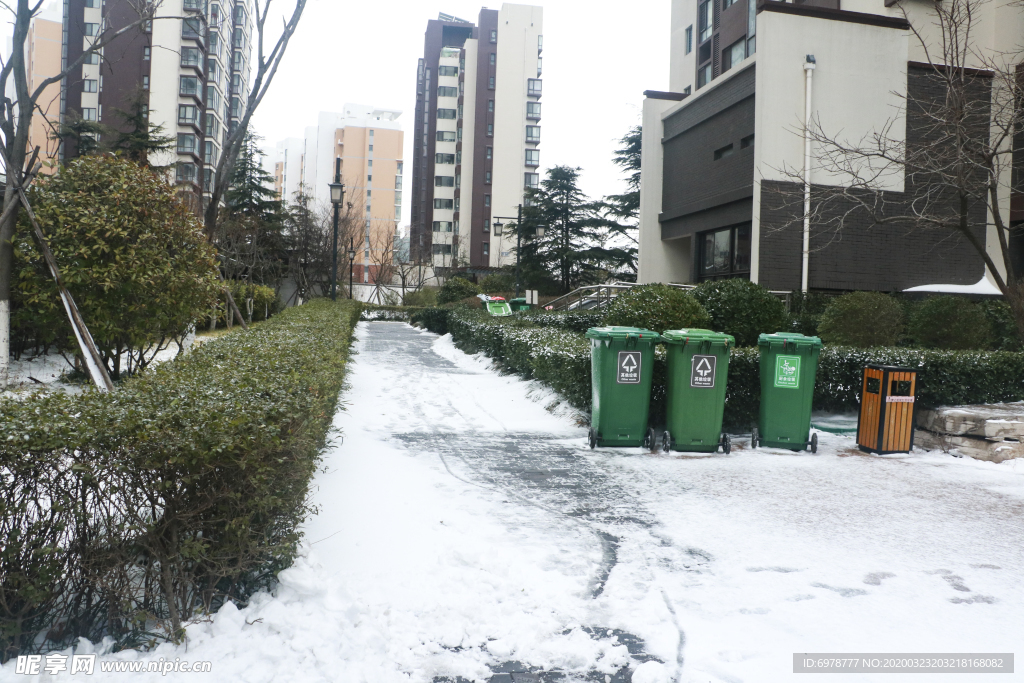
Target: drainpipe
x,y
809,65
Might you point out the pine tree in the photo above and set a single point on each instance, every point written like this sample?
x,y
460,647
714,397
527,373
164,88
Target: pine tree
x,y
84,135
140,139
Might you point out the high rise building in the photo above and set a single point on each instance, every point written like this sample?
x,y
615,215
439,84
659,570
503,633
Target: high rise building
x,y
188,69
368,141
476,134
43,60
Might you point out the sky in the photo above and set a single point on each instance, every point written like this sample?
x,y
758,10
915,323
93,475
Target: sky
x,y
599,57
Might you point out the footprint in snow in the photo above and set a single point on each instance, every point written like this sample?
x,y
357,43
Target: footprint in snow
x,y
876,578
781,570
845,592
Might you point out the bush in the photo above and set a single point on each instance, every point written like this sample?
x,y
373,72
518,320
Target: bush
x,y
393,314
1001,323
862,319
433,319
456,289
132,254
427,296
572,321
656,307
182,489
950,322
497,283
743,309
805,310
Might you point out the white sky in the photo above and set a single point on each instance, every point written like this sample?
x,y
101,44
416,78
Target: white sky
x,y
599,57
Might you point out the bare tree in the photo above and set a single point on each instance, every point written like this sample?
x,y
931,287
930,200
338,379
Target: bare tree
x,y
382,260
310,233
956,158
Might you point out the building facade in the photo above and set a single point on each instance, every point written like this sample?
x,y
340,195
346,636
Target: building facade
x,y
188,70
43,61
723,161
476,135
368,141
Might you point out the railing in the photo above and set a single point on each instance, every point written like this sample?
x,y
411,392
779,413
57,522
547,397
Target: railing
x,y
595,297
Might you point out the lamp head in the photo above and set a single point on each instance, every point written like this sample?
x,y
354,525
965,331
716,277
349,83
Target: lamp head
x,y
337,193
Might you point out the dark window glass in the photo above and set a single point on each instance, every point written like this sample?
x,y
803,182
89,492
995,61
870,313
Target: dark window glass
x,y
724,253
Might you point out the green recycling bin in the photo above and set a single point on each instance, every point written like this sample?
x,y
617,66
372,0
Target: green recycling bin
x,y
789,365
519,304
621,367
499,308
698,367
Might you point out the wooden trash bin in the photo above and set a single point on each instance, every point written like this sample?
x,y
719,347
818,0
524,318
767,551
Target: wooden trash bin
x,y
886,422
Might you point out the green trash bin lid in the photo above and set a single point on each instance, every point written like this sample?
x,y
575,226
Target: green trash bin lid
x,y
696,336
787,338
520,300
616,332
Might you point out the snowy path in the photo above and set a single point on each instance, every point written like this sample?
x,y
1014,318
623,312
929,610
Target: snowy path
x,y
466,531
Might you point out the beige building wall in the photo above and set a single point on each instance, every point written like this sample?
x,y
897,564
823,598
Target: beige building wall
x,y
44,58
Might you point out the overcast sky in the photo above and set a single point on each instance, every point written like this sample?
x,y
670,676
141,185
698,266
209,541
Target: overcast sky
x,y
599,57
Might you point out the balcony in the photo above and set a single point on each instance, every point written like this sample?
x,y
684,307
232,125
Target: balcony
x,y
194,5
533,87
533,134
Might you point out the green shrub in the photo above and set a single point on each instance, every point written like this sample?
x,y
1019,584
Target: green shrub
x,y
950,322
433,319
862,319
1004,328
805,310
743,309
427,296
573,321
393,314
498,283
656,307
456,289
184,488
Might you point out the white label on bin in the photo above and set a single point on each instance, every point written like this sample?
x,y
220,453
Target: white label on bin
x,y
702,373
629,367
899,399
787,372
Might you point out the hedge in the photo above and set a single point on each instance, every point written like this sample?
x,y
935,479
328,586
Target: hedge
x,y
155,503
561,359
389,313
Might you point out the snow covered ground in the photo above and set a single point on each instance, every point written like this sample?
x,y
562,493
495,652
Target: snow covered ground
x,y
466,531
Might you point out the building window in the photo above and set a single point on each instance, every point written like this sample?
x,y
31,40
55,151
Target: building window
x,y
487,225
734,54
444,181
540,43
726,4
533,133
533,157
490,152
456,203
441,249
189,85
209,154
90,85
490,83
487,249
192,28
446,136
447,114
704,19
146,52
186,143
703,76
212,97
444,158
92,3
723,152
494,36
145,82
487,178
458,134
94,57
188,114
490,105
493,59
447,71
747,141
92,30
369,178
487,201
212,126
689,39
751,26
724,253
447,91
88,113
186,173
442,226
533,87
490,129
190,56
532,181
533,111
540,67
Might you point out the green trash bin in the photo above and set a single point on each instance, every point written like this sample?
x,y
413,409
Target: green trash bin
x,y
698,368
621,367
498,308
789,365
519,304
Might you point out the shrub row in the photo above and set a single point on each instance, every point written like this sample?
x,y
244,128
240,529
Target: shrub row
x,y
401,314
561,359
136,511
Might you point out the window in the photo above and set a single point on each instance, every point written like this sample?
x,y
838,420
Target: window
x,y
186,143
444,158
147,26
751,26
704,19
92,3
490,105
723,152
145,82
689,39
212,97
487,249
494,36
441,249
460,111
236,60
458,158
540,43
214,41
90,85
446,136
146,52
724,253
213,70
458,134
456,203
88,113
747,141
487,225
209,154
92,29
490,152
442,226
703,76
236,107
447,114
212,127
487,178
447,91
236,82
239,37
533,157
490,83
533,111
726,4
444,181
398,182
734,54
487,200
490,129
531,181
443,203
192,27
447,71
186,173
533,133
533,87
458,180
188,85
190,56
188,114
493,59
369,178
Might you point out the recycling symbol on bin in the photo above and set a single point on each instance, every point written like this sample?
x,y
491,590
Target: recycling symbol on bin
x,y
703,373
629,367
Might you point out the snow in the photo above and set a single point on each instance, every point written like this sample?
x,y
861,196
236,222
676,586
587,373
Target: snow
x,y
439,550
982,286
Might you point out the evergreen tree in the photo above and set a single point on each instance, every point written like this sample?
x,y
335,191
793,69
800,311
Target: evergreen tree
x,y
140,139
620,213
84,135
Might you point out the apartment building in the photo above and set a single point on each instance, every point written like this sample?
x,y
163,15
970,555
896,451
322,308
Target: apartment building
x,y
43,60
189,67
724,147
368,141
477,133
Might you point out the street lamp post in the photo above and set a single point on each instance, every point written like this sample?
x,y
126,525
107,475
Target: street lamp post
x,y
351,260
337,197
519,235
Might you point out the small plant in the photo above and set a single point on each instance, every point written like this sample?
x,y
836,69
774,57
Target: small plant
x,y
862,319
421,297
656,307
456,289
496,283
950,322
742,309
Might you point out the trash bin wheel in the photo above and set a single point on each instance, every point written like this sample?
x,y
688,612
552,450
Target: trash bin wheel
x,y
592,439
666,441
755,438
726,444
814,442
651,440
